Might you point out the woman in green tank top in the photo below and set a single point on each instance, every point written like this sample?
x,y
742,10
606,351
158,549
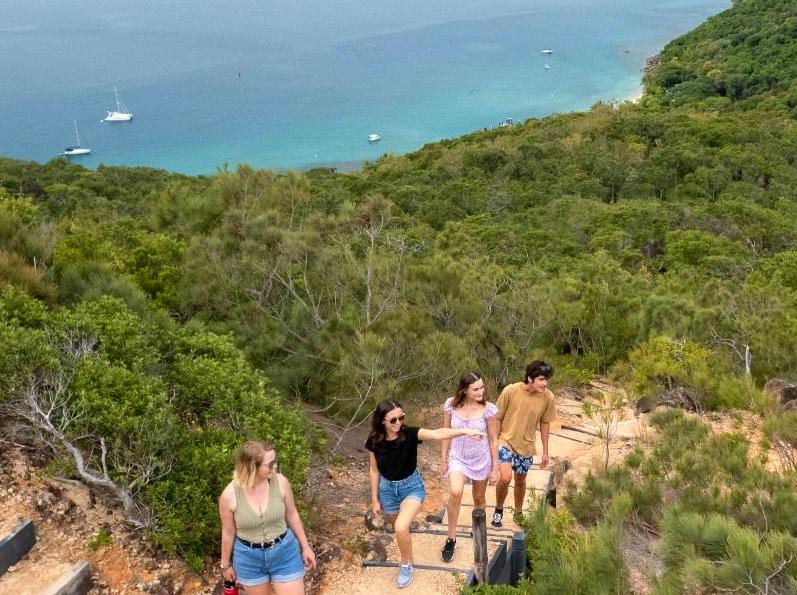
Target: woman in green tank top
x,y
263,542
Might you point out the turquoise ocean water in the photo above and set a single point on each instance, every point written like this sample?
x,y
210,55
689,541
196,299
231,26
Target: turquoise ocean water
x,y
295,83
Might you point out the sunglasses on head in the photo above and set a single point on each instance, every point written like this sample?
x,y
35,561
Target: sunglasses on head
x,y
393,420
545,370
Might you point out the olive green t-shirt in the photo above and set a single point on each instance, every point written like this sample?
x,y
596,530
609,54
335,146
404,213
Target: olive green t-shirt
x,y
520,413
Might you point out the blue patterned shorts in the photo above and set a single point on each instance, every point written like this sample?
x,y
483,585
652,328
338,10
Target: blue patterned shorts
x,y
520,465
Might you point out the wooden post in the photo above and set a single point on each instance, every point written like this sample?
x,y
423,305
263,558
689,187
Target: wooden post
x,y
480,544
518,557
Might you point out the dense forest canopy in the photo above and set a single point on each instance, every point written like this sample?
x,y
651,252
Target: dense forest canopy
x,y
652,242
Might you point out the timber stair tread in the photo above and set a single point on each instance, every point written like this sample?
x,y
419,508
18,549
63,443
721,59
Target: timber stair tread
x,y
442,577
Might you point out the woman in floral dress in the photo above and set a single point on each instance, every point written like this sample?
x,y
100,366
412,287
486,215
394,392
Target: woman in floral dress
x,y
468,459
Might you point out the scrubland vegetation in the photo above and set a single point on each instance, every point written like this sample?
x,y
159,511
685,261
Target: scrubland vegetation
x,y
152,321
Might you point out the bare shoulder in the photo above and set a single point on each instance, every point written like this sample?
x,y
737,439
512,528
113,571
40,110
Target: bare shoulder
x,y
227,497
283,482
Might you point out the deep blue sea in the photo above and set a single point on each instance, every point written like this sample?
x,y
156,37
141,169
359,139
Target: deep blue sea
x,y
295,83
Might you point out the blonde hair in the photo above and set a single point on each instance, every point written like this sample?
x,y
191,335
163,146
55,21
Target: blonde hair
x,y
247,460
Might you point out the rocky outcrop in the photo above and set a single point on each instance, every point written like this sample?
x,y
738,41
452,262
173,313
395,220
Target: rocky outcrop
x,y
652,63
781,391
679,397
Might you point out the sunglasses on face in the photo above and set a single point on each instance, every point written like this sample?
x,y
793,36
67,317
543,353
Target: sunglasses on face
x,y
393,420
271,465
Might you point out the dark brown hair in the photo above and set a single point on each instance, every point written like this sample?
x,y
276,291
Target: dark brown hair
x,y
378,434
462,389
538,368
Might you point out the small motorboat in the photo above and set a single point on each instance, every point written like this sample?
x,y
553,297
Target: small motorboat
x,y
374,137
546,51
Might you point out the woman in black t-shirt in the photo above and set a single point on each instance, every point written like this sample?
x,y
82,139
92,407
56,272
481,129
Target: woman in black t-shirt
x,y
397,490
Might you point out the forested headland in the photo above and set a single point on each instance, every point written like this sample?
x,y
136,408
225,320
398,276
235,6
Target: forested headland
x,y
151,321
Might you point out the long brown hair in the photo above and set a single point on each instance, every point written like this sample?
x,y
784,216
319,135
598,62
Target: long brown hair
x,y
378,433
462,389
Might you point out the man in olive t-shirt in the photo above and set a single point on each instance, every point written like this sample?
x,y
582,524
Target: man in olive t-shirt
x,y
522,406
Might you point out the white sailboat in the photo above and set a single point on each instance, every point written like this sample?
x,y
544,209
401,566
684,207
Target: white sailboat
x,y
547,51
77,149
121,114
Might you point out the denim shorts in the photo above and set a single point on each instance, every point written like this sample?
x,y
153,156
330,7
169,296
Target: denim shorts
x,y
393,493
520,464
280,563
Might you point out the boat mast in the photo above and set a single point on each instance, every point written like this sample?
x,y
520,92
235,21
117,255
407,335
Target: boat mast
x,y
77,134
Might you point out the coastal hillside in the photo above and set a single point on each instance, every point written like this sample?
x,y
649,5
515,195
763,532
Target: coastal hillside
x,y
745,58
153,321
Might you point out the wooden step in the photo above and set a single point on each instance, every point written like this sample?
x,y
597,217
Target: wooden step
x,y
431,575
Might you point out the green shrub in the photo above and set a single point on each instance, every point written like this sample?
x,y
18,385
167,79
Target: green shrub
x,y
566,561
712,553
100,540
171,405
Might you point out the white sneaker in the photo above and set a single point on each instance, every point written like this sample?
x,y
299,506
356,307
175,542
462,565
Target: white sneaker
x,y
404,576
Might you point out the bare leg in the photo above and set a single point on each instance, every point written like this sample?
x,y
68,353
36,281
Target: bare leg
x,y
264,589
456,483
502,487
520,491
409,508
295,587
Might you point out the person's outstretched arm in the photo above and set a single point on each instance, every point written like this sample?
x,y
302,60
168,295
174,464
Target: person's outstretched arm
x,y
447,433
294,521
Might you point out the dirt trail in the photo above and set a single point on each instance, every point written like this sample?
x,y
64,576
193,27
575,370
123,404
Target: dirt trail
x,y
347,575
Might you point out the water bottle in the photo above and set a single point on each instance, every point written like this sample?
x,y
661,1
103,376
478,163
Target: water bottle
x,y
229,588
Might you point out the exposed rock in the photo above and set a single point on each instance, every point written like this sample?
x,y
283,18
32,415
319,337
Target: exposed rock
x,y
781,390
373,522
559,468
326,552
679,397
646,404
652,63
378,550
436,517
577,393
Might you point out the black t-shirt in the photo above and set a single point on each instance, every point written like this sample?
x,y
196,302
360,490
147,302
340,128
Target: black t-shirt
x,y
397,460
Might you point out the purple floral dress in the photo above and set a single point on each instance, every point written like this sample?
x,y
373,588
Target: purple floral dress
x,y
466,455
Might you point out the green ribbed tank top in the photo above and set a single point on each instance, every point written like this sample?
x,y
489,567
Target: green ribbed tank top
x,y
259,528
